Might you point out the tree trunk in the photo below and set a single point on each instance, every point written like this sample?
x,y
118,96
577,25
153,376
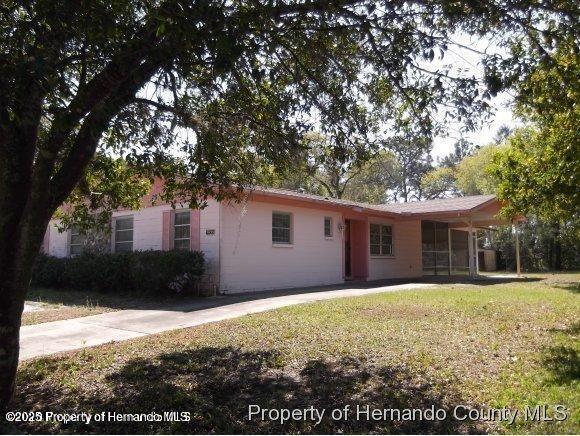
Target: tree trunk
x,y
557,248
11,306
16,260
551,251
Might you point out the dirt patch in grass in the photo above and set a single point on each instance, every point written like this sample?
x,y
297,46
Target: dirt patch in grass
x,y
63,304
399,311
57,313
507,345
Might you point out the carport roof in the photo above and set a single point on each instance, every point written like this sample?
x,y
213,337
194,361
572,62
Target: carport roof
x,y
459,204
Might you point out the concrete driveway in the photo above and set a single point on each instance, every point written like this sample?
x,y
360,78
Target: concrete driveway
x,y
54,337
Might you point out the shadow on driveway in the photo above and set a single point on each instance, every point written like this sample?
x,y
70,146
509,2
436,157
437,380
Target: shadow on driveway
x,y
185,303
226,299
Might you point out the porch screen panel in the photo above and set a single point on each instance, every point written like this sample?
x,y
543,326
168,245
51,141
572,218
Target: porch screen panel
x,y
435,246
459,252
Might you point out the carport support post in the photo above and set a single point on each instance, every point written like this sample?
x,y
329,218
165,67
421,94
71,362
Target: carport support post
x,y
518,265
449,246
470,250
476,248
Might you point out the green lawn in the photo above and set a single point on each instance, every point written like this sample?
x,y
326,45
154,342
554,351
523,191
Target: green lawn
x,y
512,345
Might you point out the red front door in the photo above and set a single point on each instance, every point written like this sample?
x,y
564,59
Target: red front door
x,y
347,251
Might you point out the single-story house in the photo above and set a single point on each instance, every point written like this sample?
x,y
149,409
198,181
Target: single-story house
x,y
276,238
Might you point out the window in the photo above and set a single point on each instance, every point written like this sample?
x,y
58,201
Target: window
x,y
327,227
381,240
181,230
77,241
123,234
281,233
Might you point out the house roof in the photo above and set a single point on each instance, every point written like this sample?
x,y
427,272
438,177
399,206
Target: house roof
x,y
459,204
306,196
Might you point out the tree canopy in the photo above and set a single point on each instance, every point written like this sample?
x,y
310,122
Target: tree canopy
x,y
539,171
218,85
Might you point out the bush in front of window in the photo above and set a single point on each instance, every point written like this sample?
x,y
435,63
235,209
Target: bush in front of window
x,y
140,272
48,271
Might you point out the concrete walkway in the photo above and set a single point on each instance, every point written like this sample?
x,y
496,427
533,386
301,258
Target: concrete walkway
x,y
54,337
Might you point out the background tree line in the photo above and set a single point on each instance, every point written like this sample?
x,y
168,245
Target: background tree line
x,y
535,169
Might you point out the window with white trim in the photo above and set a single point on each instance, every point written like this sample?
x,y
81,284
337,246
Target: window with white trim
x,y
327,227
123,234
77,241
182,230
281,228
381,240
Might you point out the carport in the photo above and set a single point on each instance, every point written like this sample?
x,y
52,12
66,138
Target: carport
x,y
449,231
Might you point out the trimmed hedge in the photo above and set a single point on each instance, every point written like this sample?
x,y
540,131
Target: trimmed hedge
x,y
142,272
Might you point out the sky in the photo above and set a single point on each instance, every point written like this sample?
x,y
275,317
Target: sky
x,y
502,116
465,59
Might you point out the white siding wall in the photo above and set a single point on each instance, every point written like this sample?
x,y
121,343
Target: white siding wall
x,y
406,261
249,261
147,231
58,242
147,226
240,255
210,243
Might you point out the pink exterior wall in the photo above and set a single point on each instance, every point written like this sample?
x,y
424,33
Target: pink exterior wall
x,y
249,260
166,226
406,260
240,256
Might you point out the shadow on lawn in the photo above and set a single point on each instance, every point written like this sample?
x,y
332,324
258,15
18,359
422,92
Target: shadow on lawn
x,y
573,287
563,361
218,384
187,302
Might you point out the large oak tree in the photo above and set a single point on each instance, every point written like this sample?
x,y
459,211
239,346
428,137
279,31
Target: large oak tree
x,y
214,83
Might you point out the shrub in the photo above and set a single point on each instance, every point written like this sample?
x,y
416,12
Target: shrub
x,y
48,271
147,272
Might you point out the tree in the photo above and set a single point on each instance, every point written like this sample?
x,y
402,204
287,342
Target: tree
x,y
461,149
472,174
439,183
413,155
539,171
322,167
334,162
217,83
538,246
295,174
376,180
502,134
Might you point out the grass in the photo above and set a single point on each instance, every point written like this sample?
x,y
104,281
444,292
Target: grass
x,y
512,344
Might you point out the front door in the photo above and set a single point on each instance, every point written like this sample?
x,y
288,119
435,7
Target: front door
x,y
347,251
